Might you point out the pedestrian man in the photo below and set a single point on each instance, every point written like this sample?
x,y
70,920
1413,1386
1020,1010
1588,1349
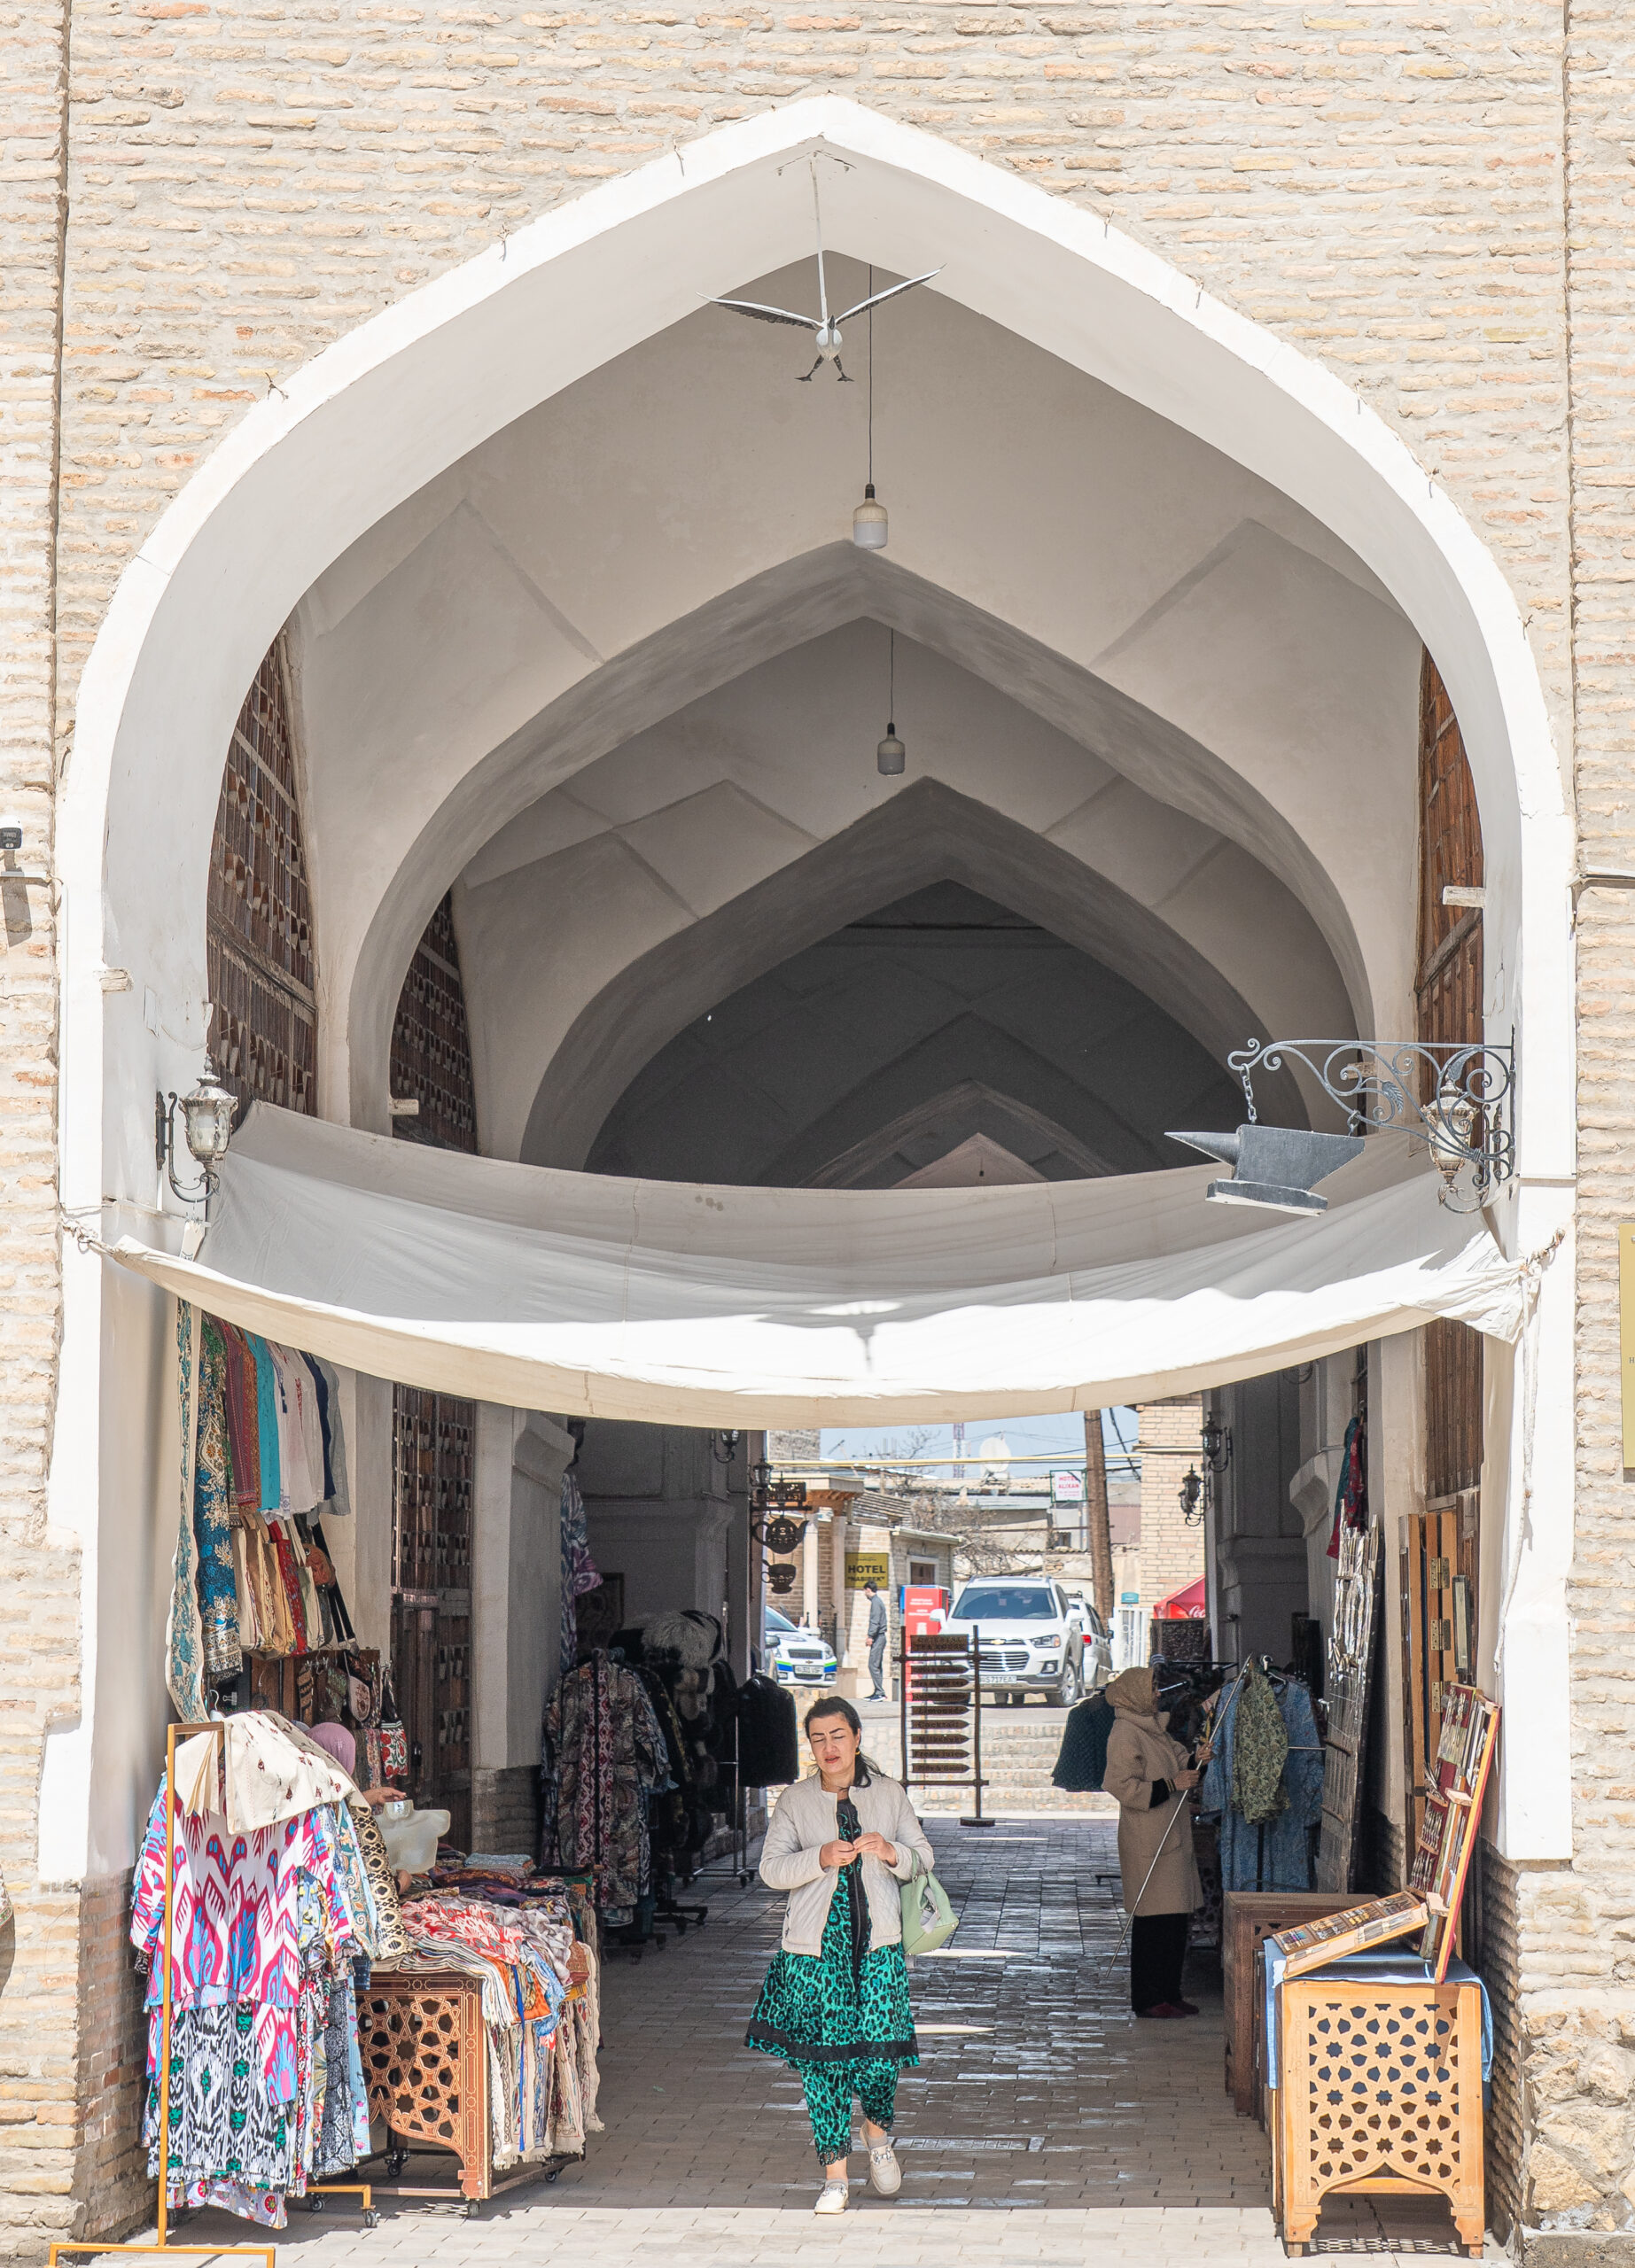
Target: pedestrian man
x,y
877,1641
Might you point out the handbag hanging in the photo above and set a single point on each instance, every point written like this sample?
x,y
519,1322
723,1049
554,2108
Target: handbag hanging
x,y
928,1918
393,1739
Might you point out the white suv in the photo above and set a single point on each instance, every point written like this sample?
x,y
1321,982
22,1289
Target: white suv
x,y
1033,1637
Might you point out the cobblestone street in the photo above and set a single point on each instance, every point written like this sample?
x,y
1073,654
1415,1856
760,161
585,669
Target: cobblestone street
x,y
1044,2126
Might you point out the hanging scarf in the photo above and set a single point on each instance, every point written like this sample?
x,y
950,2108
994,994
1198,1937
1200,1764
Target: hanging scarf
x,y
578,1570
1259,1752
218,1588
267,1399
184,1645
1351,1496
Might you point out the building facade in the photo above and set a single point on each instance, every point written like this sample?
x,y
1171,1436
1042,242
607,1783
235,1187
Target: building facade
x,y
1269,354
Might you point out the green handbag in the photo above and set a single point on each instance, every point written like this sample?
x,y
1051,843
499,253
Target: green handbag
x,y
929,1920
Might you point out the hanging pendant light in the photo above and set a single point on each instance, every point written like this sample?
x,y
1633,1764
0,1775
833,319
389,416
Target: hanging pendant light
x,y
891,756
869,525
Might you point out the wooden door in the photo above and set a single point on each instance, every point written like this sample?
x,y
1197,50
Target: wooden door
x,y
258,924
1439,1546
432,1439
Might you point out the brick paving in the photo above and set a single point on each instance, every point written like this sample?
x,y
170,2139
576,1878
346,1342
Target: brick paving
x,y
1044,2127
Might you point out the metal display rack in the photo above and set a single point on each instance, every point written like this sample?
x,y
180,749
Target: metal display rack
x,y
939,1682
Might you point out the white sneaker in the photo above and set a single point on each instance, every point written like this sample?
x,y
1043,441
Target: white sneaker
x,y
885,2176
831,2198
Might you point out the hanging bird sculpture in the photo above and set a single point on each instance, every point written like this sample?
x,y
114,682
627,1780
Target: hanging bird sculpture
x,y
826,326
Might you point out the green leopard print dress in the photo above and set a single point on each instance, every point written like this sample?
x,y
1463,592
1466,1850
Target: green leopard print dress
x,y
847,2004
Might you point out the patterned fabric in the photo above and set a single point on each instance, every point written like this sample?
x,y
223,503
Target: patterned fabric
x,y
235,1906
830,2008
243,1433
289,1586
184,1644
579,1569
1259,1751
390,1938
230,2143
829,2089
603,1755
218,1588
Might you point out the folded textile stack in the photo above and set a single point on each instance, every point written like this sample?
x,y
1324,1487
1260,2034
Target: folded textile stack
x,y
519,1934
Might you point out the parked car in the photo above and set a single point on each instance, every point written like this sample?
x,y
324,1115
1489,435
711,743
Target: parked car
x,y
1097,1667
1032,1638
793,1654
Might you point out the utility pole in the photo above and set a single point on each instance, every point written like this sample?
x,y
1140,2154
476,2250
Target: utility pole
x,y
1096,1521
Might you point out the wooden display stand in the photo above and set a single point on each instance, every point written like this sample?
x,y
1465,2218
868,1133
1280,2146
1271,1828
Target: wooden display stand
x,y
1379,2094
426,2072
425,2069
1249,1917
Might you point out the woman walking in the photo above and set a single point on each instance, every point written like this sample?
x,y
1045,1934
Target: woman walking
x,y
1149,1774
835,2005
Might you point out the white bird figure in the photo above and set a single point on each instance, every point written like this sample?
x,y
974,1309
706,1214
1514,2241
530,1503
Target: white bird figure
x,y
826,326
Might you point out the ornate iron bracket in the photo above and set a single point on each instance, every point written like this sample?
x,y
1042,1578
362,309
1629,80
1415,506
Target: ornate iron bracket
x,y
1458,1098
779,1498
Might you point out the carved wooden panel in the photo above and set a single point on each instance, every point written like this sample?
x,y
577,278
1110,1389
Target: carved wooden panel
x,y
1445,1542
425,2067
431,1043
1381,2092
1448,984
258,929
433,1449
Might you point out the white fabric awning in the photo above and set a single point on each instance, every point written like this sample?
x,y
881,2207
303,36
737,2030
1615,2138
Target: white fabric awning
x,y
676,1303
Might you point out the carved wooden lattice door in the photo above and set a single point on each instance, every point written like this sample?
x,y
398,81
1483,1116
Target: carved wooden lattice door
x,y
433,1434
258,926
1439,1546
432,1445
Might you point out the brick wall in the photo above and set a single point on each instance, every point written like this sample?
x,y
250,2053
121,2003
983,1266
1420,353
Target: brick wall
x,y
113,2188
39,1598
1493,1947
246,187
1172,1551
505,1808
1578,1987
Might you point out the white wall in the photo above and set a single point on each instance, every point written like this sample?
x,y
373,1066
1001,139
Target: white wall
x,y
516,1580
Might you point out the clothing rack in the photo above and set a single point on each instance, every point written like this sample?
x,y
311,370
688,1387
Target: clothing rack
x,y
265,2253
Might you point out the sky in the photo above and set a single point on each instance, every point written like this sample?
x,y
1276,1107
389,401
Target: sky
x,y
1063,1437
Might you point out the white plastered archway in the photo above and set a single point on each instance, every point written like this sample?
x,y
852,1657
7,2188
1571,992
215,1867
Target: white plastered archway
x,y
372,420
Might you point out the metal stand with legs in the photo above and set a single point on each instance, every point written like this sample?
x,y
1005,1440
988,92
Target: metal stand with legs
x,y
265,2253
941,1714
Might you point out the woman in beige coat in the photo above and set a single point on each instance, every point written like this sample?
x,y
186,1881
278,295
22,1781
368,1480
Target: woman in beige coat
x,y
1149,1775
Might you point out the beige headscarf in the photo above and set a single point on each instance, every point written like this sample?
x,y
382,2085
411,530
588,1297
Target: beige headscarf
x,y
1132,1689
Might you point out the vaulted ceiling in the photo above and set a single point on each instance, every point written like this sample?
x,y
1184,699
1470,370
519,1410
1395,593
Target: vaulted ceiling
x,y
937,1018
618,677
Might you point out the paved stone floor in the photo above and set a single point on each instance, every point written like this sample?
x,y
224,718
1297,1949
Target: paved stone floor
x,y
1044,2127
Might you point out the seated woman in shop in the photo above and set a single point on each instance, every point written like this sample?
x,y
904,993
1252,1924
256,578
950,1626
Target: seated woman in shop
x,y
1152,1778
835,2005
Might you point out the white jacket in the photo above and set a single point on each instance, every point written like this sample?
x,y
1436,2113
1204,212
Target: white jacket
x,y
803,1820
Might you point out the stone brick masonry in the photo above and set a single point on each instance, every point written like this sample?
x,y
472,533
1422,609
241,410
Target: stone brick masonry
x,y
1434,199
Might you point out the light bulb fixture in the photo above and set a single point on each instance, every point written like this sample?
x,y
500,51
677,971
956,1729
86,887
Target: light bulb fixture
x,y
869,525
891,756
207,1128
